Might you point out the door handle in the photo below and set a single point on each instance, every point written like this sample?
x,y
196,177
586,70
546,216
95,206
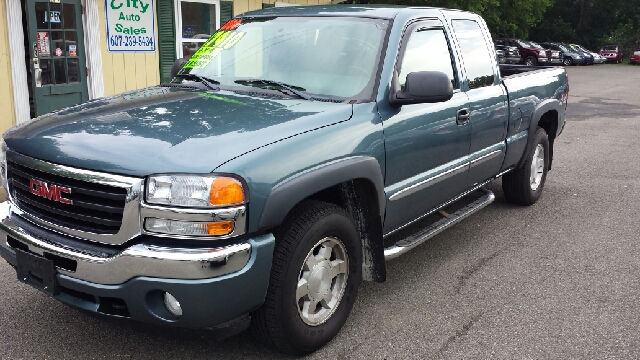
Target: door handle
x,y
462,116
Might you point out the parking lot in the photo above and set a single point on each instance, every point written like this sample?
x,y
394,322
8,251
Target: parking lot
x,y
560,279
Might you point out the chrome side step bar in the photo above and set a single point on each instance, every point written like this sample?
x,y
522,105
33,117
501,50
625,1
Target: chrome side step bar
x,y
408,244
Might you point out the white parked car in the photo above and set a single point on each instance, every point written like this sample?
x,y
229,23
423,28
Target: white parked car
x,y
597,58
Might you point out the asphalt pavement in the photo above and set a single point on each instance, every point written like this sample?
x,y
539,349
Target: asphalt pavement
x,y
556,280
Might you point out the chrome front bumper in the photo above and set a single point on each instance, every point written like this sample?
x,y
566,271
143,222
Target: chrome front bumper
x,y
134,261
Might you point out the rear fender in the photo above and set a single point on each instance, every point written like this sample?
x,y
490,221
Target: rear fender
x,y
543,108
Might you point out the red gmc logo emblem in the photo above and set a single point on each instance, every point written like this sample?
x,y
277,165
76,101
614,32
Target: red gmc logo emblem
x,y
51,192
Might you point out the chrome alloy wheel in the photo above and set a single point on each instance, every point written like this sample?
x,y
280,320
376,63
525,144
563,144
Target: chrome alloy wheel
x,y
322,281
537,167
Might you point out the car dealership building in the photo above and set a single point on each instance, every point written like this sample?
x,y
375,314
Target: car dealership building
x,y
56,53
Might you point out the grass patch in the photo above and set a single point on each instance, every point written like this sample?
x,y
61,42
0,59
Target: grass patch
x,y
624,62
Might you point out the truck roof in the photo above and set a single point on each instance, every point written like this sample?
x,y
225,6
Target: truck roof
x,y
371,11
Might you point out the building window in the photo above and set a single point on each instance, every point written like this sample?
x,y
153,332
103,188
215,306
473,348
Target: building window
x,y
196,20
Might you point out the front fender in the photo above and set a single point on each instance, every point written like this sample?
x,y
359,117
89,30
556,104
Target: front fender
x,y
285,195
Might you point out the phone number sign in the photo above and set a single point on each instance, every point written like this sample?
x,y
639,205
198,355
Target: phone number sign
x,y
130,26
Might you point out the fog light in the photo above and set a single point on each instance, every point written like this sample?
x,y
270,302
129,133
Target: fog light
x,y
172,305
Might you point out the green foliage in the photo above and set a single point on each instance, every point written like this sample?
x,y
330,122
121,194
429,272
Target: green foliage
x,y
591,23
505,18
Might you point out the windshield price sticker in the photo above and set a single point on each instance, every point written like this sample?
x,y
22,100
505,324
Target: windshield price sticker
x,y
130,26
221,40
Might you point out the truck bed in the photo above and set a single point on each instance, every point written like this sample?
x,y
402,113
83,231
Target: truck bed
x,y
507,70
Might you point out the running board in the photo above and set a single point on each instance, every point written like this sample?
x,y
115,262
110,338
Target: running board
x,y
406,245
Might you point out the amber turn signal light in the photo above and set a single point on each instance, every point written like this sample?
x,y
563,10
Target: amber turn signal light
x,y
226,191
220,228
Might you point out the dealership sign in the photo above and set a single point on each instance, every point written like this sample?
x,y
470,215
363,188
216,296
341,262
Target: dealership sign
x,y
130,26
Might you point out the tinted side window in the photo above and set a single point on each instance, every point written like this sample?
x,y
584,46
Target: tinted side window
x,y
427,50
475,53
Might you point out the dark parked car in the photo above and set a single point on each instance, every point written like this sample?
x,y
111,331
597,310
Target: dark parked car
x,y
569,56
589,59
635,57
510,54
531,55
597,58
613,53
554,56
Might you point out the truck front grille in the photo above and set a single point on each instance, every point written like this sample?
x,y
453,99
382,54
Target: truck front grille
x,y
93,207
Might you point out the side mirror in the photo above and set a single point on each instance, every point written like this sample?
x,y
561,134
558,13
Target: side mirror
x,y
423,87
177,66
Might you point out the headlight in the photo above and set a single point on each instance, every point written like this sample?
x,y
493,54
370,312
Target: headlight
x,y
3,164
194,191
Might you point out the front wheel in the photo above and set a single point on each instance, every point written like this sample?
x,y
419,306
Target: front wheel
x,y
314,281
568,62
531,61
523,186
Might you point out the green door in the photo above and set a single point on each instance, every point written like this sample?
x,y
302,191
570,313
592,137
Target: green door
x,y
56,46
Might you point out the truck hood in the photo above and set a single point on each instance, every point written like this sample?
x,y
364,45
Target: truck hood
x,y
159,129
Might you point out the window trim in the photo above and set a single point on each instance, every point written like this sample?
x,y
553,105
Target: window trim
x,y
178,22
409,30
489,44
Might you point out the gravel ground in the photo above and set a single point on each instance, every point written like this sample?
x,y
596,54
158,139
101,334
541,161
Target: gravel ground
x,y
555,280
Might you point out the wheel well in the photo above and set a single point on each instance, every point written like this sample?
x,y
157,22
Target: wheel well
x,y
549,122
360,199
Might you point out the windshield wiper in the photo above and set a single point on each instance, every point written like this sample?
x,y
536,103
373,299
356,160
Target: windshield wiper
x,y
289,88
206,81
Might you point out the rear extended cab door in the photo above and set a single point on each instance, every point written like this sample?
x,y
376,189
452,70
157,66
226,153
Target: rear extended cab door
x,y
488,102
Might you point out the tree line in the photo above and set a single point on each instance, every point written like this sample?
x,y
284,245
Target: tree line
x,y
590,23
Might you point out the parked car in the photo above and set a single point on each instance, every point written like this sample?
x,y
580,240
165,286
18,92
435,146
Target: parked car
x,y
531,55
240,196
569,56
588,58
553,56
613,53
597,58
510,54
635,58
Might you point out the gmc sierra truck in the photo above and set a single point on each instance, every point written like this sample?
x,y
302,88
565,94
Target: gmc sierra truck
x,y
292,155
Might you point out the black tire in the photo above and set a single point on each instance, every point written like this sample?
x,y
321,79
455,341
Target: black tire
x,y
278,323
567,61
531,61
517,184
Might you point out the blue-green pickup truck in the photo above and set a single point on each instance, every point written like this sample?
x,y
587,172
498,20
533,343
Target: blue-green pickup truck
x,y
291,156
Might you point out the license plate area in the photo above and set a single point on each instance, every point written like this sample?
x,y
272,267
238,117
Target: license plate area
x,y
37,271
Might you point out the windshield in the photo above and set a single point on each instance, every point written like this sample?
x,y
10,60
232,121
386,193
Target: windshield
x,y
523,43
563,48
535,45
610,48
578,47
334,58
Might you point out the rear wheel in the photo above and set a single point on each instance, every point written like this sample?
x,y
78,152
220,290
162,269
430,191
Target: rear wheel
x,y
523,186
531,61
314,280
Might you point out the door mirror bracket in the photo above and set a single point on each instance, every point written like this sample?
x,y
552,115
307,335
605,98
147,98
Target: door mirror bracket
x,y
421,87
177,66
